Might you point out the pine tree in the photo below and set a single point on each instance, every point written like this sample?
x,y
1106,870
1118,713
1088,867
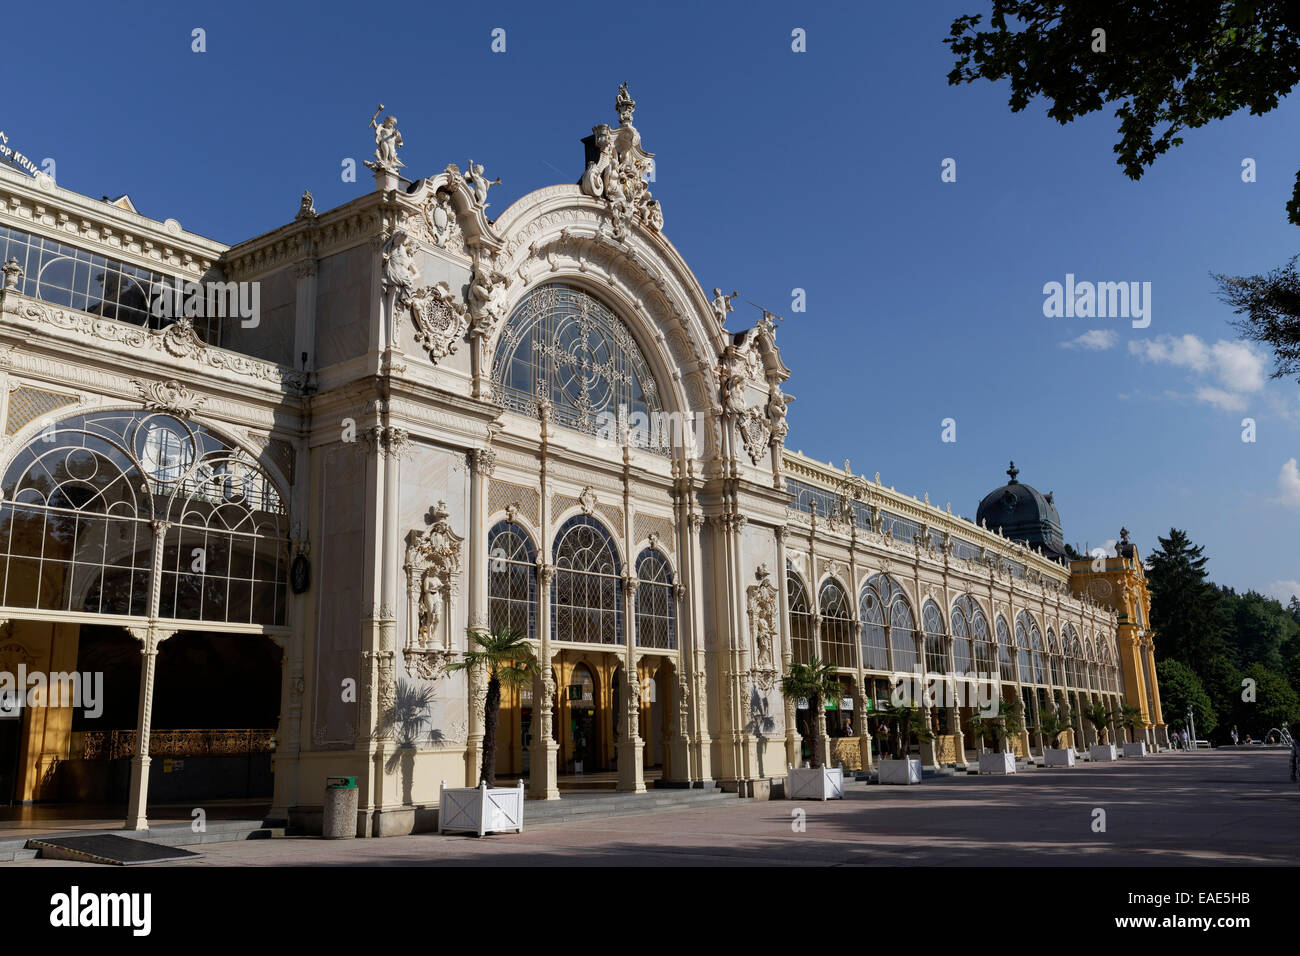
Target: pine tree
x,y
1183,602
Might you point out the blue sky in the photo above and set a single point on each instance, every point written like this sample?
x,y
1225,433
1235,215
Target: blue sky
x,y
776,170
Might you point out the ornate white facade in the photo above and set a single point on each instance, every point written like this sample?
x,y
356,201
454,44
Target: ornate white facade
x,y
537,420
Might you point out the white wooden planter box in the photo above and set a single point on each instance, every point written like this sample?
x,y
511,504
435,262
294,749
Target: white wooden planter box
x,y
997,763
1058,758
481,809
1103,752
899,771
1138,749
804,783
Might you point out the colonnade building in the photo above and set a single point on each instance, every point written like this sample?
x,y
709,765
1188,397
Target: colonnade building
x,y
267,506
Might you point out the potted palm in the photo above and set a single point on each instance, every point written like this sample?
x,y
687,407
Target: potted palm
x,y
1100,718
1130,718
906,723
1005,726
813,682
506,658
1052,726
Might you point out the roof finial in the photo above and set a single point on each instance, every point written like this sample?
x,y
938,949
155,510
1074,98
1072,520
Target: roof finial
x,y
1013,471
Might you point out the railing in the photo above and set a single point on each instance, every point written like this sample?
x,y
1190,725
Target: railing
x,y
112,744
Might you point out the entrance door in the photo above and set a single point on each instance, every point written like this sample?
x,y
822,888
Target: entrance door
x,y
11,739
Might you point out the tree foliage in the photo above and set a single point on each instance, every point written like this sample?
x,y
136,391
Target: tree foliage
x,y
1166,66
1179,688
1183,601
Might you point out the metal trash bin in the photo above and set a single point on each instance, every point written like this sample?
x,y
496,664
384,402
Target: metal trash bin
x,y
339,821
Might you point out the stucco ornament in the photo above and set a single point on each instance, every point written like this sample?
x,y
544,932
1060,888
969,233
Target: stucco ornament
x,y
487,298
617,168
478,182
439,320
387,141
722,305
756,432
761,604
432,568
401,274
439,221
170,396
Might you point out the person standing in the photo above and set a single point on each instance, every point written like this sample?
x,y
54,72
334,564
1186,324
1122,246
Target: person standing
x,y
1234,735
1295,748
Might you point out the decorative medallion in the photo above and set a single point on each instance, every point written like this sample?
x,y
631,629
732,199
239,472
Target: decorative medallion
x,y
439,320
170,396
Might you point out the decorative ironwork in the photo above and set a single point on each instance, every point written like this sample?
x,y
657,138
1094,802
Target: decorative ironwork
x,y
115,744
562,344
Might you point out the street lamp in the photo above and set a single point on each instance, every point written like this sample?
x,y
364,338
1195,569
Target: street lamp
x,y
1191,728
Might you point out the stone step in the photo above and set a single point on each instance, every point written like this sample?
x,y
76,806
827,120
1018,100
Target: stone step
x,y
566,809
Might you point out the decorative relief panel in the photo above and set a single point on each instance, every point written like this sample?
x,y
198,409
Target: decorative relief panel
x,y
432,566
27,404
502,495
643,526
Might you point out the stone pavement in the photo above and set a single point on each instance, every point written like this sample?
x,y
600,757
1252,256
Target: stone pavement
x,y
1235,809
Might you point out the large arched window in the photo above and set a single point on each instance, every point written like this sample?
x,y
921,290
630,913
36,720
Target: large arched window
x,y
1006,664
936,653
1071,650
874,641
1055,671
837,623
800,618
901,622
1024,626
82,503
512,580
587,588
655,616
570,348
970,628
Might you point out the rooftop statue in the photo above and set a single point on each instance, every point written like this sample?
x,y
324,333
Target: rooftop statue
x,y
387,141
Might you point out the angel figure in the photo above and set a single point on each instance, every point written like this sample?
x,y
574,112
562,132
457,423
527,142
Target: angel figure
x,y
387,140
478,182
722,305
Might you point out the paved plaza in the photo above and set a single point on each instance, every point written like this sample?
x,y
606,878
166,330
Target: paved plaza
x,y
1212,808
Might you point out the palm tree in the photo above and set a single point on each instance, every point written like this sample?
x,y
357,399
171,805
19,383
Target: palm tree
x,y
1100,718
1130,718
908,724
813,682
1007,724
1052,726
505,655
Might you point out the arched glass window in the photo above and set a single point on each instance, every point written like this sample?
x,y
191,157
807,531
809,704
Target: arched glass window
x,y
837,623
655,614
587,589
1036,646
569,347
1055,671
1025,627
963,653
512,580
982,641
78,513
800,618
1006,664
874,641
936,651
1070,648
901,622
